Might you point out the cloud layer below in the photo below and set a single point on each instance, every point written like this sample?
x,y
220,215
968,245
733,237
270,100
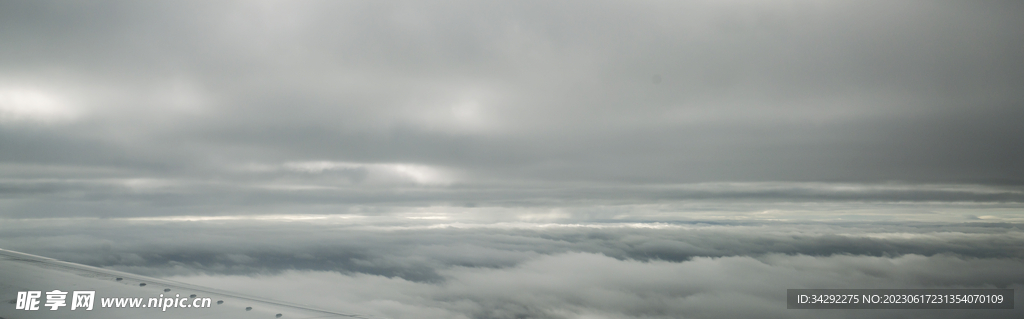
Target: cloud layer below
x,y
417,265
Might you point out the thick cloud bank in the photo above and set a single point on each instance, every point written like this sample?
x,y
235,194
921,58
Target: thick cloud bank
x,y
585,285
425,268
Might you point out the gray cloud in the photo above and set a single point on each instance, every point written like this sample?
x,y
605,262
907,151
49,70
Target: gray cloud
x,y
575,285
523,159
863,92
418,250
346,187
421,263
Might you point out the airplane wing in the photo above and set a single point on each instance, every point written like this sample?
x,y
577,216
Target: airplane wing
x,y
39,287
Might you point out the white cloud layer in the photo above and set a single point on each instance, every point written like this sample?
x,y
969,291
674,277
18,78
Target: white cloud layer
x,y
441,264
587,285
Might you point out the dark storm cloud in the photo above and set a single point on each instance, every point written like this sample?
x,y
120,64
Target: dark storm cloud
x,y
532,91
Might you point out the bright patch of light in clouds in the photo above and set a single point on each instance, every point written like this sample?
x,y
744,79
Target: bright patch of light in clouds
x,y
468,114
462,109
376,172
33,105
179,96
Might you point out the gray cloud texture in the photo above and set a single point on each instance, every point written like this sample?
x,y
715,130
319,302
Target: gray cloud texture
x,y
416,268
527,159
526,91
582,285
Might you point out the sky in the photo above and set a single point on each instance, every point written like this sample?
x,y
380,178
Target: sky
x,y
435,153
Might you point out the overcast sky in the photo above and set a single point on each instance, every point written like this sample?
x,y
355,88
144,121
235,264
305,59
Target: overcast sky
x,y
520,159
458,102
